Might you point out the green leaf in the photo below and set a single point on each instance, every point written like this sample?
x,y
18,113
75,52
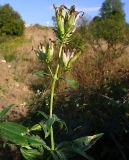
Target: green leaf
x,y
18,134
60,121
36,127
58,155
14,132
54,155
47,124
31,154
5,111
36,141
72,83
39,73
61,155
85,143
44,114
66,149
78,146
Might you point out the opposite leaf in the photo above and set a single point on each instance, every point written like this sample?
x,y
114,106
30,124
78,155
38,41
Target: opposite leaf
x,y
14,132
48,123
78,146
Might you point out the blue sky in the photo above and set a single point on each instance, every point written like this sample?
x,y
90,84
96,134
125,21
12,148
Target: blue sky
x,y
41,11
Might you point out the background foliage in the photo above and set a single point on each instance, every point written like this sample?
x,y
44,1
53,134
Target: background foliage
x,y
10,21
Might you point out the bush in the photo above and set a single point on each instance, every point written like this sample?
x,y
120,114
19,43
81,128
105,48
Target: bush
x,y
110,7
111,30
109,34
10,21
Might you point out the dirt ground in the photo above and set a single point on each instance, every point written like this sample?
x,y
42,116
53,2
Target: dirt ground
x,y
15,76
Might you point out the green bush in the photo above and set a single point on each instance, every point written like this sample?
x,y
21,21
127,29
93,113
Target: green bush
x,y
10,21
110,26
108,38
112,7
112,30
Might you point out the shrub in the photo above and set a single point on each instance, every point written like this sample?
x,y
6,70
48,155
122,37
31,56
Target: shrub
x,y
10,21
112,7
111,30
109,36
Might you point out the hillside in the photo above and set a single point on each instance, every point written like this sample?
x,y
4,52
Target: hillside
x,y
17,61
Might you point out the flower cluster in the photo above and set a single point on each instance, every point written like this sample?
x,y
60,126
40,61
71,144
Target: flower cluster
x,y
66,20
45,54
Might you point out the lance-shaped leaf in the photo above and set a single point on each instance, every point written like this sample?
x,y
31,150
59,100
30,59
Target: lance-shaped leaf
x,y
43,114
5,111
78,146
31,154
36,127
19,135
37,142
14,132
48,123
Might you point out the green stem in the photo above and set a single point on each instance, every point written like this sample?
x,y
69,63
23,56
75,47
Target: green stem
x,y
50,71
55,78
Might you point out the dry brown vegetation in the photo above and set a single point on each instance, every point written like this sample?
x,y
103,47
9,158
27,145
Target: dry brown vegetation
x,y
17,76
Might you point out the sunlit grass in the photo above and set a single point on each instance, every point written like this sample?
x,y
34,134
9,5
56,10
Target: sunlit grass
x,y
9,45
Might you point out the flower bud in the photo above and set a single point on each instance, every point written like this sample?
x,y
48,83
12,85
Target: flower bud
x,y
66,21
74,58
40,52
70,20
60,15
49,52
45,54
69,58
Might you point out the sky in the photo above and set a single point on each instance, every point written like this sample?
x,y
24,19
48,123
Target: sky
x,y
41,11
